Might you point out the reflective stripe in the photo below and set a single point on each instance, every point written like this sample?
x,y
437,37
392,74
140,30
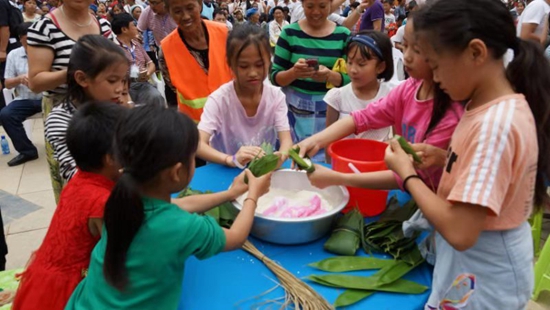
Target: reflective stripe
x,y
195,103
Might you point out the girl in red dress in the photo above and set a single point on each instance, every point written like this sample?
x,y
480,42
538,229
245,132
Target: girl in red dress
x,y
63,258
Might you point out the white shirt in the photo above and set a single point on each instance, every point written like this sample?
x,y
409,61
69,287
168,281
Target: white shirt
x,y
298,14
388,19
271,4
398,37
17,64
345,101
535,13
275,31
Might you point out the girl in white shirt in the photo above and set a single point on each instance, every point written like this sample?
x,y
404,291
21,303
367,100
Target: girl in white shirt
x,y
369,60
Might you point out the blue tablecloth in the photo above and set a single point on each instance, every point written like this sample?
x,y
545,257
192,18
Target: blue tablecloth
x,y
232,280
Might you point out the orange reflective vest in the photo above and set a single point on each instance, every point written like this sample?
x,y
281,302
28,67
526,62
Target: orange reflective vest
x,y
193,85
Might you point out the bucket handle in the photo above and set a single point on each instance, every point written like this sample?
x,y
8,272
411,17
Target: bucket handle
x,y
353,168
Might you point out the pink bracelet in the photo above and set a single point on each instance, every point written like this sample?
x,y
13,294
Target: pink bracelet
x,y
237,163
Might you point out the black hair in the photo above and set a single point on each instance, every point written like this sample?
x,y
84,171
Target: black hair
x,y
390,2
91,54
286,9
91,132
148,140
277,8
219,11
120,21
412,5
401,18
385,46
452,25
120,7
355,5
263,17
243,36
23,29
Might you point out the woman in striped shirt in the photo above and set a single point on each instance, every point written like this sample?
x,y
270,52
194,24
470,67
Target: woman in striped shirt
x,y
50,41
304,56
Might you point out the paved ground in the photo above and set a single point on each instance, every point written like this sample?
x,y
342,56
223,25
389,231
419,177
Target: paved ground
x,y
27,204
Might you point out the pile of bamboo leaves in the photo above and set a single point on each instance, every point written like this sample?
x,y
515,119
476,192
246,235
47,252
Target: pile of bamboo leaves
x,y
382,236
386,234
387,279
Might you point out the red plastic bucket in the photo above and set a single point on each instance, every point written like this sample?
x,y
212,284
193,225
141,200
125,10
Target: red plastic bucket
x,y
366,156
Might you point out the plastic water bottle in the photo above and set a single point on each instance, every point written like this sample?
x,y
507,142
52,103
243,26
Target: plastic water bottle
x,y
5,145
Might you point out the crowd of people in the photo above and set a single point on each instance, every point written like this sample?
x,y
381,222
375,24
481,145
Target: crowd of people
x,y
285,72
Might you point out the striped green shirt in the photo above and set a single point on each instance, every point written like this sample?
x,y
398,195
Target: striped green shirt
x,y
294,44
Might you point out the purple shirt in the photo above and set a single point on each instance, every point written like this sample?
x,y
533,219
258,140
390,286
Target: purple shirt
x,y
374,12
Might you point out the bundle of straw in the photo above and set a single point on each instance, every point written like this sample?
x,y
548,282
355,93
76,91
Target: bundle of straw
x,y
297,293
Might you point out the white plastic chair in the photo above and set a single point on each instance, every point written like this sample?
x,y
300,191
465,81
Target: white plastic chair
x,y
9,95
398,67
158,83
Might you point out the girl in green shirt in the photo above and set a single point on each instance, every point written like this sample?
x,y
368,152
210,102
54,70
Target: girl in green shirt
x,y
139,261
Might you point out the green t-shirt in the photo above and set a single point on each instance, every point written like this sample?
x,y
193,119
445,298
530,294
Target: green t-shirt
x,y
155,260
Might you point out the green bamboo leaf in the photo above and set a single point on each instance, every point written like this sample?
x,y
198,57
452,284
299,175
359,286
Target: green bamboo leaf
x,y
368,283
392,273
263,166
351,263
349,297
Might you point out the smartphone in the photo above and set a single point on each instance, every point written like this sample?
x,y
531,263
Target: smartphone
x,y
313,63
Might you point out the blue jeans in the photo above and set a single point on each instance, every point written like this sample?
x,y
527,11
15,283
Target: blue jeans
x,y
12,118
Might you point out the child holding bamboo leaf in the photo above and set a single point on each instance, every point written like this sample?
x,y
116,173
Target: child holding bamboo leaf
x,y
497,160
139,261
246,112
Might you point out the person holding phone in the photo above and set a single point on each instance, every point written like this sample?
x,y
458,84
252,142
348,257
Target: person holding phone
x,y
304,57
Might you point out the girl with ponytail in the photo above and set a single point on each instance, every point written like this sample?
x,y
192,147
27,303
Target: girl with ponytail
x,y
139,261
497,161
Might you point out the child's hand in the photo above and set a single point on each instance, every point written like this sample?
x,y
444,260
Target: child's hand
x,y
323,177
238,187
432,156
282,158
309,147
247,153
302,70
322,74
397,160
257,187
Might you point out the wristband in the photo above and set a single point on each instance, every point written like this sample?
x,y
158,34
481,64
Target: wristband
x,y
237,163
412,176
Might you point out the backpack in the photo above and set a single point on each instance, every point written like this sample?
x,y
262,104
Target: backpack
x,y
15,18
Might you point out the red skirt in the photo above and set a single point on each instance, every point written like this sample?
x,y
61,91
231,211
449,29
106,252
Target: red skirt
x,y
43,288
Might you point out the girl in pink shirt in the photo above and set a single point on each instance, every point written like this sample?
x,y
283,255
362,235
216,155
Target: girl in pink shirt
x,y
417,109
497,160
242,114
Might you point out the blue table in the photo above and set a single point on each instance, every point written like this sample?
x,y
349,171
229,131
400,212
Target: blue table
x,y
231,280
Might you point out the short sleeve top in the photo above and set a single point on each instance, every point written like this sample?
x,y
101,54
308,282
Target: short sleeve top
x,y
46,33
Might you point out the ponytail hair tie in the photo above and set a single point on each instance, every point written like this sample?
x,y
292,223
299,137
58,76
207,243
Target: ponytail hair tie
x,y
369,42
